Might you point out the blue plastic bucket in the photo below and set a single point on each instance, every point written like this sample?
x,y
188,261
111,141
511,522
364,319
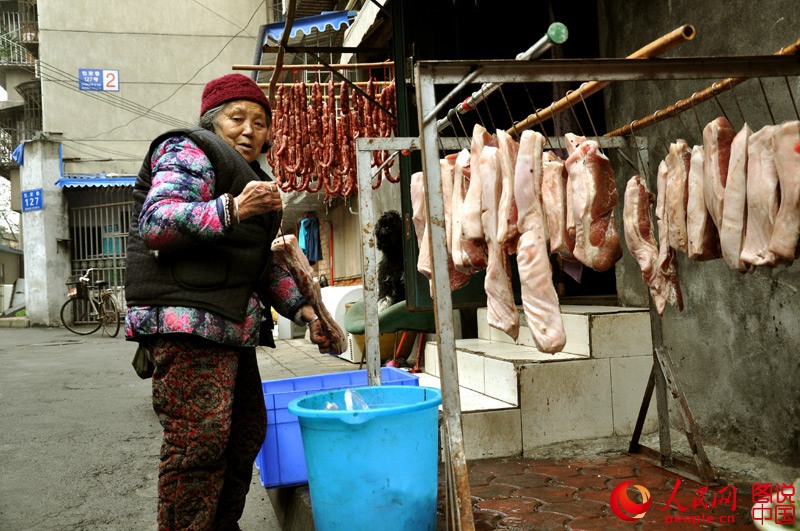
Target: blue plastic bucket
x,y
375,468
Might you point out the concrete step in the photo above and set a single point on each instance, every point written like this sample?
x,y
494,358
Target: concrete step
x,y
515,399
596,331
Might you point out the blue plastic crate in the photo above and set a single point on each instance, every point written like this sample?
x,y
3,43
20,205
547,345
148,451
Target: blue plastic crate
x,y
281,461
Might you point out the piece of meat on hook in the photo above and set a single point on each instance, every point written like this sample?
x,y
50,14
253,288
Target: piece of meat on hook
x,y
554,200
501,311
539,297
717,138
763,198
734,206
594,197
678,162
787,222
703,239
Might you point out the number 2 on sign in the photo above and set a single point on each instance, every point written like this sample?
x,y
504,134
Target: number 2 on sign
x,y
111,80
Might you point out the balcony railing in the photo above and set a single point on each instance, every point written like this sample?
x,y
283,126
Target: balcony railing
x,y
11,51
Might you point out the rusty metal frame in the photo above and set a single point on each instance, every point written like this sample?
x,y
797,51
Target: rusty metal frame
x,y
428,74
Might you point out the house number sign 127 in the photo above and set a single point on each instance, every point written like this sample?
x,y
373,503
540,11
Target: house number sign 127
x,y
32,200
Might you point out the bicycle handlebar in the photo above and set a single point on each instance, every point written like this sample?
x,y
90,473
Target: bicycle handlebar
x,y
85,277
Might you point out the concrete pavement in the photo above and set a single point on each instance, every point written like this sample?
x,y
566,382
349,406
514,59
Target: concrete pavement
x,y
79,441
79,447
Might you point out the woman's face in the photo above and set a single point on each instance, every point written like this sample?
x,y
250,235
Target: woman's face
x,y
242,124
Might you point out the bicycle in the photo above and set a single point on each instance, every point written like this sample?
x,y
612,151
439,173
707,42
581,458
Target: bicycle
x,y
84,313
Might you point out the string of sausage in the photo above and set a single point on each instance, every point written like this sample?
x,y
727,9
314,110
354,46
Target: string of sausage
x,y
313,142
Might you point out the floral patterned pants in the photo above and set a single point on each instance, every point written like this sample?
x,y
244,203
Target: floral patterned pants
x,y
209,401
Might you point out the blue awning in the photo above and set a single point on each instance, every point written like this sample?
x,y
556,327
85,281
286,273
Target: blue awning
x,y
335,19
95,181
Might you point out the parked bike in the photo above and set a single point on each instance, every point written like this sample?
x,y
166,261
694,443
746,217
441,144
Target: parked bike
x,y
90,306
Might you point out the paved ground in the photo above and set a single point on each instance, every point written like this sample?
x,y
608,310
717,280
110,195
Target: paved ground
x,y
79,448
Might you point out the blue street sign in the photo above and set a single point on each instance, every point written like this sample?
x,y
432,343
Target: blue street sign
x,y
98,79
32,200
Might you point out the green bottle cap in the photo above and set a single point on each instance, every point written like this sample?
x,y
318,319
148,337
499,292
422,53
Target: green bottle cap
x,y
557,33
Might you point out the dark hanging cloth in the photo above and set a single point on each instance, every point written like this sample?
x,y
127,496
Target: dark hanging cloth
x,y
309,239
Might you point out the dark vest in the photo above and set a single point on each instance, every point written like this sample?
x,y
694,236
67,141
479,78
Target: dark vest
x,y
218,275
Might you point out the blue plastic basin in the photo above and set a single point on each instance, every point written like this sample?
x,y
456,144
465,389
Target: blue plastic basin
x,y
376,468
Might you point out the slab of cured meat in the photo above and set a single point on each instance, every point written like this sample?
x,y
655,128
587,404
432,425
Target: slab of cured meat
x,y
539,297
288,252
717,138
638,228
763,198
554,201
447,167
469,256
734,206
678,162
666,280
703,239
471,225
787,161
420,219
421,226
507,230
501,310
594,196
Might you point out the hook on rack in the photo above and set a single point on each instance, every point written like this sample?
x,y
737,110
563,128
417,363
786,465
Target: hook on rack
x,y
588,114
696,117
572,110
766,100
642,167
736,100
791,96
714,90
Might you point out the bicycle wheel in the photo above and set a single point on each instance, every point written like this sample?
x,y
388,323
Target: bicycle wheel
x,y
110,317
76,315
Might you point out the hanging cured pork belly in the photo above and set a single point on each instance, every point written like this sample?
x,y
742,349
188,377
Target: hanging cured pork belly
x,y
703,240
527,172
594,196
447,167
554,202
678,161
638,227
420,219
507,231
501,310
717,138
734,206
666,280
539,297
787,161
471,225
763,198
468,256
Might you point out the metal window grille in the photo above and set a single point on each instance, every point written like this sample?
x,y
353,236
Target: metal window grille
x,y
98,222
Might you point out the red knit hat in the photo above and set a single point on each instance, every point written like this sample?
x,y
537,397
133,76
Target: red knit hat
x,y
232,87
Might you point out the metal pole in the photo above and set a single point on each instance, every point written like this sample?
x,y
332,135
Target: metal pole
x,y
367,217
443,304
556,34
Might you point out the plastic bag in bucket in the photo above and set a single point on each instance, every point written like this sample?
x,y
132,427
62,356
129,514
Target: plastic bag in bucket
x,y
375,468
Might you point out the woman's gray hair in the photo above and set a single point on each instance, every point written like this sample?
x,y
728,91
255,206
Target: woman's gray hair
x,y
210,117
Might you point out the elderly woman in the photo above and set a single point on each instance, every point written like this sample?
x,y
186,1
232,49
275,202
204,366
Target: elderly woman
x,y
200,280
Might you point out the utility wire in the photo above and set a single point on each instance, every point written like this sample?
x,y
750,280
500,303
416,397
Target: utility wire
x,y
193,76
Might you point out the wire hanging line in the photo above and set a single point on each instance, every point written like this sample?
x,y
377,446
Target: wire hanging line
x,y
766,100
703,95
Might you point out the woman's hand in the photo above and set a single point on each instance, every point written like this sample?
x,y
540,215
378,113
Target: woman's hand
x,y
318,337
259,197
315,330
